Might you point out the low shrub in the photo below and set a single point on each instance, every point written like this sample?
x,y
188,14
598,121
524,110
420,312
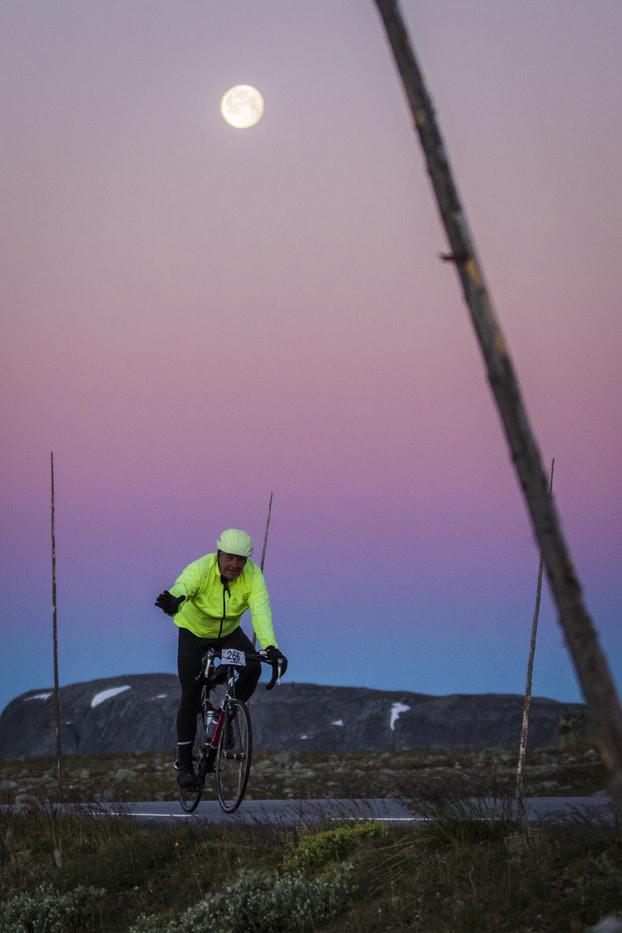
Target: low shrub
x,y
320,849
256,903
48,911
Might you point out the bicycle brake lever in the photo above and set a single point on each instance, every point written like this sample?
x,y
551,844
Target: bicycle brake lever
x,y
276,676
205,671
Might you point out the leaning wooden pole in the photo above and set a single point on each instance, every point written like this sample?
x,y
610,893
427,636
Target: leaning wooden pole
x,y
59,759
522,750
589,660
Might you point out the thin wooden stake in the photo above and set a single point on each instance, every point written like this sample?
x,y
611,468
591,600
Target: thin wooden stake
x,y
59,760
265,537
532,650
263,552
589,660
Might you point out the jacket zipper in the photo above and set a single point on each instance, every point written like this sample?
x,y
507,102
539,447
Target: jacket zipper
x,y
225,592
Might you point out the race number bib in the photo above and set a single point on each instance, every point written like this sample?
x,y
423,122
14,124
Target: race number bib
x,y
233,656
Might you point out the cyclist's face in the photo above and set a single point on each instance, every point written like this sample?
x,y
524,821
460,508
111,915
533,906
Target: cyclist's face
x,y
230,565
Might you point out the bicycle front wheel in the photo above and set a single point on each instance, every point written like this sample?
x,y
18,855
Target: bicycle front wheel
x,y
233,759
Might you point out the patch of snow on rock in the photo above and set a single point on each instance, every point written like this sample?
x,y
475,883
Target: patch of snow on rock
x,y
396,709
106,695
38,696
337,722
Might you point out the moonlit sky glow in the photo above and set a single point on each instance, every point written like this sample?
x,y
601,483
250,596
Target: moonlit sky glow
x,y
193,318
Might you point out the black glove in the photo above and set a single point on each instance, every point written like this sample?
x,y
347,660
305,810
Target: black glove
x,y
274,656
169,603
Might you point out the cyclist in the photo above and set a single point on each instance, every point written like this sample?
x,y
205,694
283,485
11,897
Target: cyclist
x,y
207,602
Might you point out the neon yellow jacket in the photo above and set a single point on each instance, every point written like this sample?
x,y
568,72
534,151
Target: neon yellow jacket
x,y
209,611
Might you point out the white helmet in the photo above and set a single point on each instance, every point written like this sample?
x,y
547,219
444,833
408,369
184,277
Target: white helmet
x,y
236,542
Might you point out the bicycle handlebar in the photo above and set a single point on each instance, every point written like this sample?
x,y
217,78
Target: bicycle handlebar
x,y
235,658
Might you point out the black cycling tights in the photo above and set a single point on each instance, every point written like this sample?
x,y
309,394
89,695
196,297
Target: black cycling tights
x,y
190,648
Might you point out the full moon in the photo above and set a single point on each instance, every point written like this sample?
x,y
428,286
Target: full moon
x,y
242,106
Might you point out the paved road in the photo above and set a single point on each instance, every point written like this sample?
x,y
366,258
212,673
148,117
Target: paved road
x,y
392,812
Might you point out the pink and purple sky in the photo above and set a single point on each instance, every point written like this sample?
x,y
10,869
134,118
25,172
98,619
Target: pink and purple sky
x,y
194,316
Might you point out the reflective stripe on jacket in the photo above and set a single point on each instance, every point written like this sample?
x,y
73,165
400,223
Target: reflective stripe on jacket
x,y
212,610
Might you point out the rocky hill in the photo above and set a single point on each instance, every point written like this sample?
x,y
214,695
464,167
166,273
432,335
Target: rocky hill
x,y
136,713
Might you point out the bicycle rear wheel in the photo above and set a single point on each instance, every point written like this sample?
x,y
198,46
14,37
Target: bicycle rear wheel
x,y
190,795
233,759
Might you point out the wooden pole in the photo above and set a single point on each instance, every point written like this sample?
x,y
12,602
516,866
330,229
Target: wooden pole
x,y
263,551
522,751
59,766
265,537
581,637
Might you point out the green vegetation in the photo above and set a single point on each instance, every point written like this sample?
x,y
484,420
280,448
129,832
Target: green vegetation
x,y
84,870
78,871
331,846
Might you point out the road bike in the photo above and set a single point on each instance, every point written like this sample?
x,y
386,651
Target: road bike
x,y
224,741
